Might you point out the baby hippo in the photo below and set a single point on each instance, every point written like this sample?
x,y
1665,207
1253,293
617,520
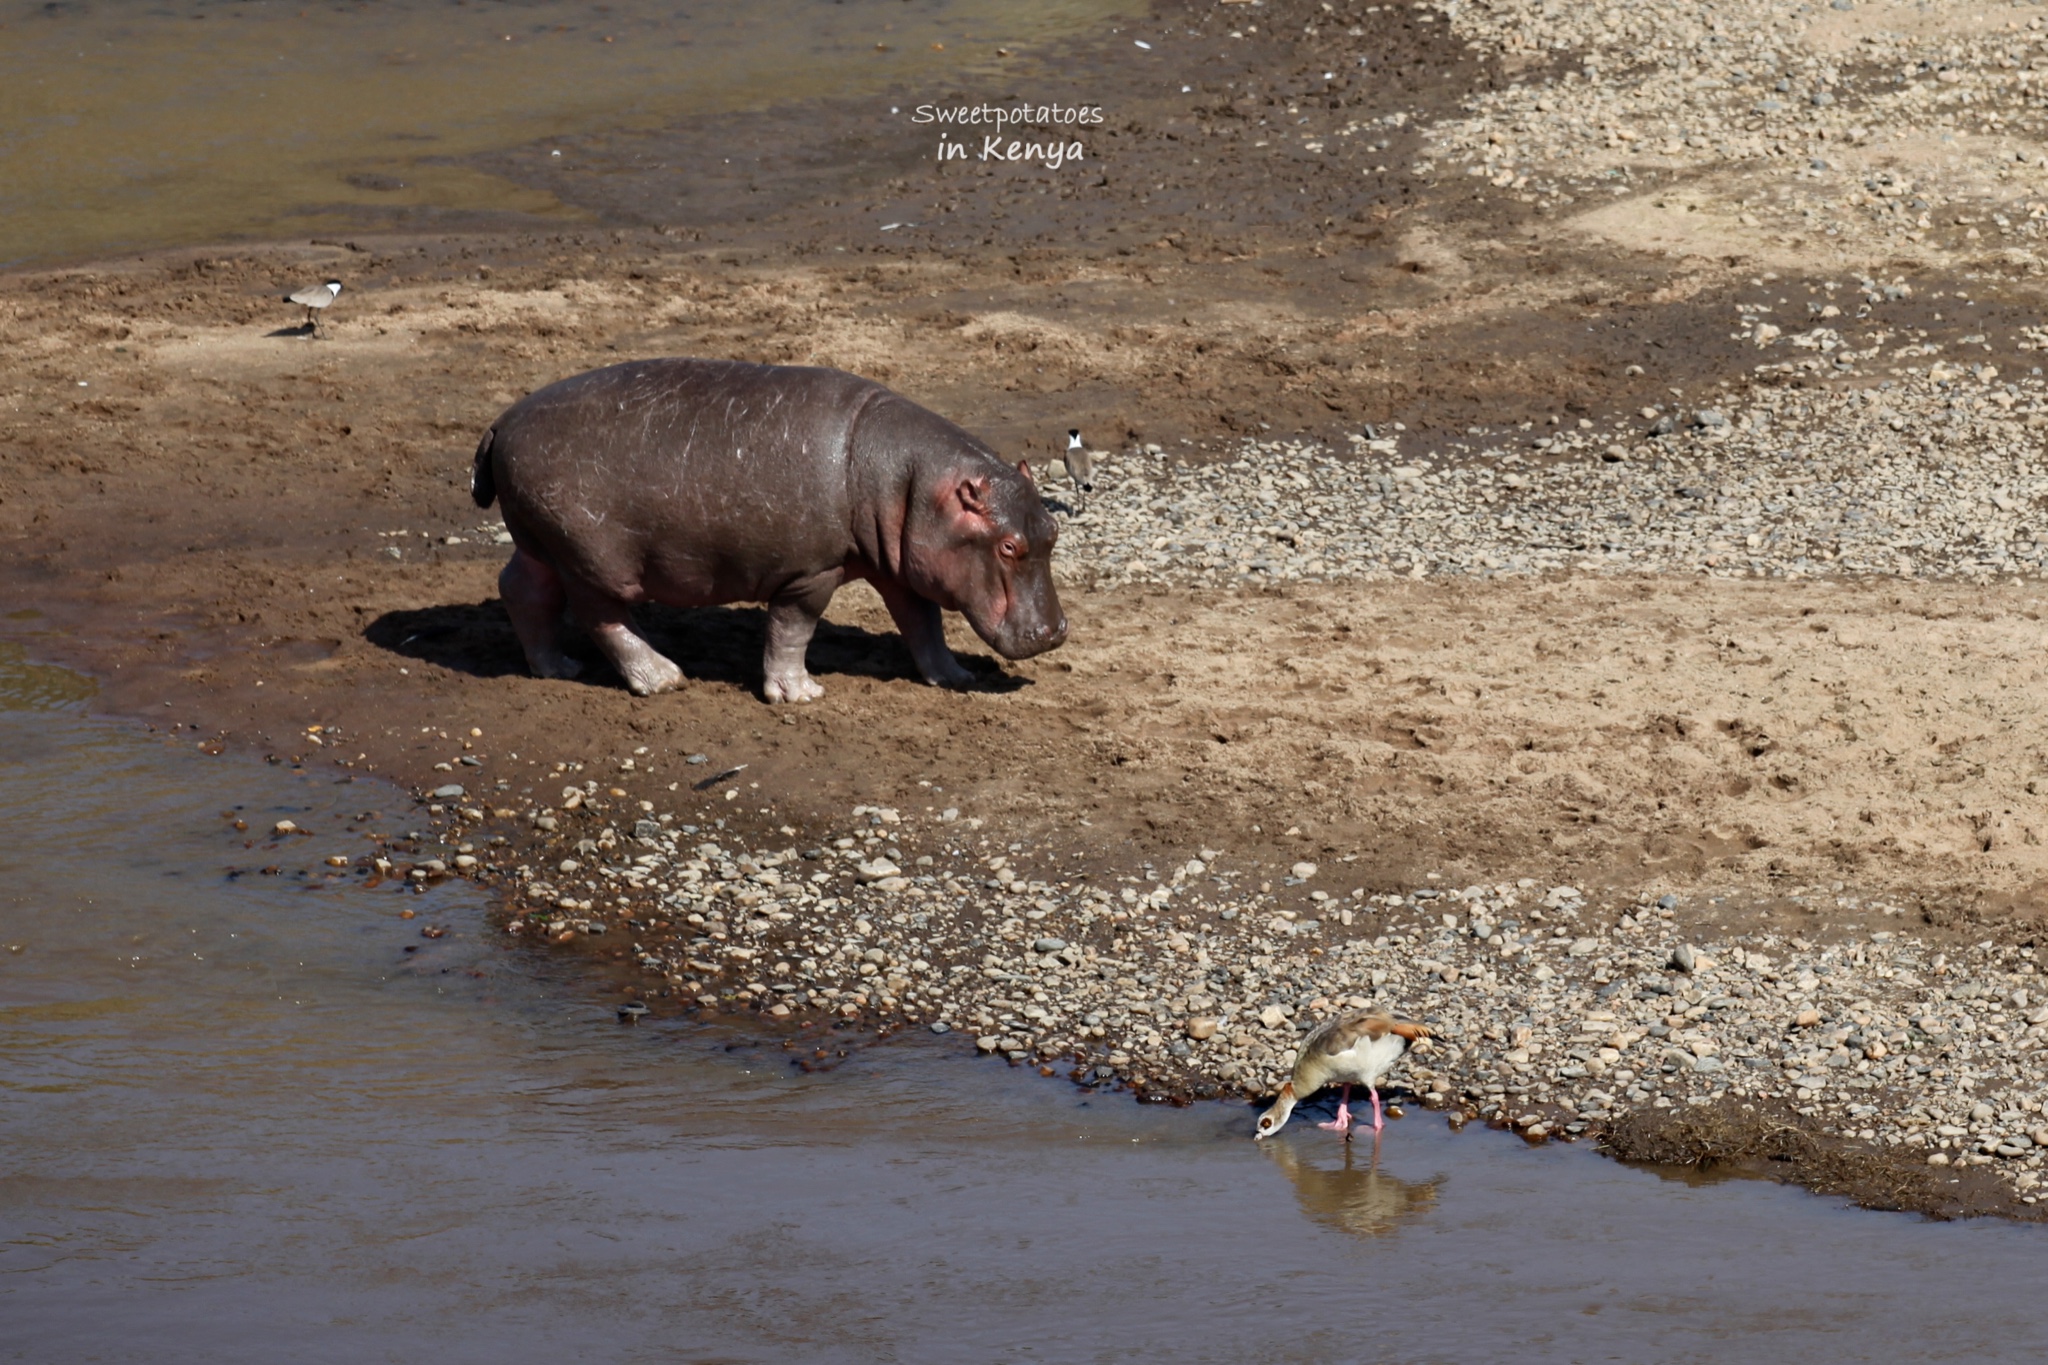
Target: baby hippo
x,y
698,482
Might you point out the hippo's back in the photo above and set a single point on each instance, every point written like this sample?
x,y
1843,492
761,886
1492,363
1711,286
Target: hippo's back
x,y
646,417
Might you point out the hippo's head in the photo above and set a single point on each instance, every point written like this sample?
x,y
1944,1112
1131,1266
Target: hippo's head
x,y
981,545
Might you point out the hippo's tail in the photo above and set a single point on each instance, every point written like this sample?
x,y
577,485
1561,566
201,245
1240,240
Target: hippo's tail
x,y
482,486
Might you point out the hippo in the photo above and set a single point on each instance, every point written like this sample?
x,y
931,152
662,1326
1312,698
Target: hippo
x,y
700,482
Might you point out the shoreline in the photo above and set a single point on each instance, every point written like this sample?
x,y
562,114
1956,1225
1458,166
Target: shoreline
x,y
1460,528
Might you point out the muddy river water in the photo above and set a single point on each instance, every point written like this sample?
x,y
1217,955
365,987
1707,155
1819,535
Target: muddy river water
x,y
259,1117
141,123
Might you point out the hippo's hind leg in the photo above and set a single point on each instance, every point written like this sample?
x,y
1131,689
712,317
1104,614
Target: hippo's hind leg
x,y
610,623
533,596
792,620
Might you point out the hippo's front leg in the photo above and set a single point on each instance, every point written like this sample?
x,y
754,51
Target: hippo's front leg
x,y
793,617
924,630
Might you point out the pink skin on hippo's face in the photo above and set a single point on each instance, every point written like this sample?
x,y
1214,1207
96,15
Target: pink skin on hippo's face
x,y
982,545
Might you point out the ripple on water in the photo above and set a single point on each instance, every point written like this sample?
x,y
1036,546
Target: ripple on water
x,y
26,686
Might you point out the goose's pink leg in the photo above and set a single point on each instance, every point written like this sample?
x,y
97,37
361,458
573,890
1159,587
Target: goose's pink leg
x,y
1377,1121
1342,1123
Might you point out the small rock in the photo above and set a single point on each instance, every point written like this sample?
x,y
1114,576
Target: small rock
x,y
1302,871
1202,1028
1047,945
284,827
448,793
1806,1019
1683,957
1272,1016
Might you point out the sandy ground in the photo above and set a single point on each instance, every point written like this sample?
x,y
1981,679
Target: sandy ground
x,y
245,532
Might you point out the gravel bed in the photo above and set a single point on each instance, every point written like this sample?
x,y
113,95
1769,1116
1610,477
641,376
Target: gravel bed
x,y
1555,1012
1883,125
1935,472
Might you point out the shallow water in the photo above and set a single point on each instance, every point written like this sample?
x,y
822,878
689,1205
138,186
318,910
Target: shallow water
x,y
137,123
240,1121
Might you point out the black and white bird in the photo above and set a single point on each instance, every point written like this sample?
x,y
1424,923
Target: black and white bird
x,y
1080,462
1352,1049
314,299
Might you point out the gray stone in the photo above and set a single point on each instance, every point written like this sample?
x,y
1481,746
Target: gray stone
x,y
448,793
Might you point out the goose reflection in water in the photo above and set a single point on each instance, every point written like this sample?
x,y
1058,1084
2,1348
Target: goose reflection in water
x,y
1356,1196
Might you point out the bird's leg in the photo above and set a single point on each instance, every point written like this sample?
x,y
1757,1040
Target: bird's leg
x,y
1342,1123
1377,1121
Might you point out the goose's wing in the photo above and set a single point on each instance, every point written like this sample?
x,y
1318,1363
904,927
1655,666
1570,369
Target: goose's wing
x,y
1338,1036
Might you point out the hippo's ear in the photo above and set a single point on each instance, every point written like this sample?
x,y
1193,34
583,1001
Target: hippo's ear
x,y
973,495
1024,468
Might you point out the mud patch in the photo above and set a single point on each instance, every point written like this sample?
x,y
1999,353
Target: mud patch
x,y
1771,1140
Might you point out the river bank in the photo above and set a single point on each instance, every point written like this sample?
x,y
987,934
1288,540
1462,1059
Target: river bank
x,y
1446,542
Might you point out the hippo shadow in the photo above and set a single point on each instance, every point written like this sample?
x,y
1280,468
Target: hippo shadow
x,y
710,644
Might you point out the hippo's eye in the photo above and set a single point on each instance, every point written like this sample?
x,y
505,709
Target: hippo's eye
x,y
1009,549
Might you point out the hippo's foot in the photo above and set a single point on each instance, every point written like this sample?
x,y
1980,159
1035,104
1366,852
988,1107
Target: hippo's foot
x,y
553,664
791,687
943,670
646,669
647,676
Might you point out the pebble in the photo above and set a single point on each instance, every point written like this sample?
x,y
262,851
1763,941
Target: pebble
x,y
450,792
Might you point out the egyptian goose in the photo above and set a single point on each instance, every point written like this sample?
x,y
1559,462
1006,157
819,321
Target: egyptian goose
x,y
1352,1049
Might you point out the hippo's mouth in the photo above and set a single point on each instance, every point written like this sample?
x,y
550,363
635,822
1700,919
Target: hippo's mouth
x,y
1018,634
